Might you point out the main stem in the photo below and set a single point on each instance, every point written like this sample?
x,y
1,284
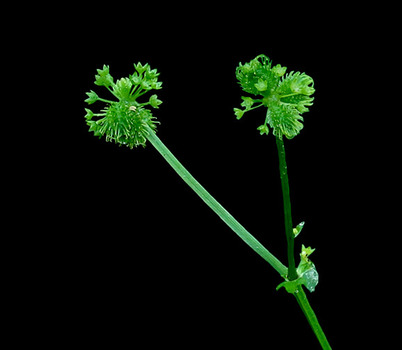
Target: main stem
x,y
308,311
214,205
292,274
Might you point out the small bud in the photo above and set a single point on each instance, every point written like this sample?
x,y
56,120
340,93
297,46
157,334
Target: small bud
x,y
238,112
92,97
263,129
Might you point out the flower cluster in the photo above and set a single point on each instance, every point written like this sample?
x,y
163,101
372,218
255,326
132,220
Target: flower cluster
x,y
286,96
125,121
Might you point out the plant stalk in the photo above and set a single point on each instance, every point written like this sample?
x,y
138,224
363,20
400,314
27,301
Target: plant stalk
x,y
292,274
308,311
240,230
214,205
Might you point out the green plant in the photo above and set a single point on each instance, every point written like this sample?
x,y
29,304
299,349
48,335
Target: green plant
x,y
286,96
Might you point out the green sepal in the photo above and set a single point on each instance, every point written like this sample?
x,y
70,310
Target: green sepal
x,y
89,114
92,97
306,252
263,129
247,102
238,113
140,68
103,78
156,85
135,78
154,102
145,85
151,74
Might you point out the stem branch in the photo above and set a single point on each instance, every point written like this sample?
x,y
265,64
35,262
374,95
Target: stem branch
x,y
243,233
214,205
106,101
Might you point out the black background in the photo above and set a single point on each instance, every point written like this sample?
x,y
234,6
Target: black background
x,y
135,257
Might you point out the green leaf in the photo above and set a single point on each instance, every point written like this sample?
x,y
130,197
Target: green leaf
x,y
92,97
298,228
103,78
154,102
291,286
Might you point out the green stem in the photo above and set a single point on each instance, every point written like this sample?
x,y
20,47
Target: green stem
x,y
112,92
240,230
287,208
251,108
214,205
299,294
289,95
139,93
106,101
135,87
301,298
136,92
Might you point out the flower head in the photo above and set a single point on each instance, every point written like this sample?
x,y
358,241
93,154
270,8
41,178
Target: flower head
x,y
126,121
286,96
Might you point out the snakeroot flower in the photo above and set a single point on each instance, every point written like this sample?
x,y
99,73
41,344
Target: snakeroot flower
x,y
125,121
286,96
